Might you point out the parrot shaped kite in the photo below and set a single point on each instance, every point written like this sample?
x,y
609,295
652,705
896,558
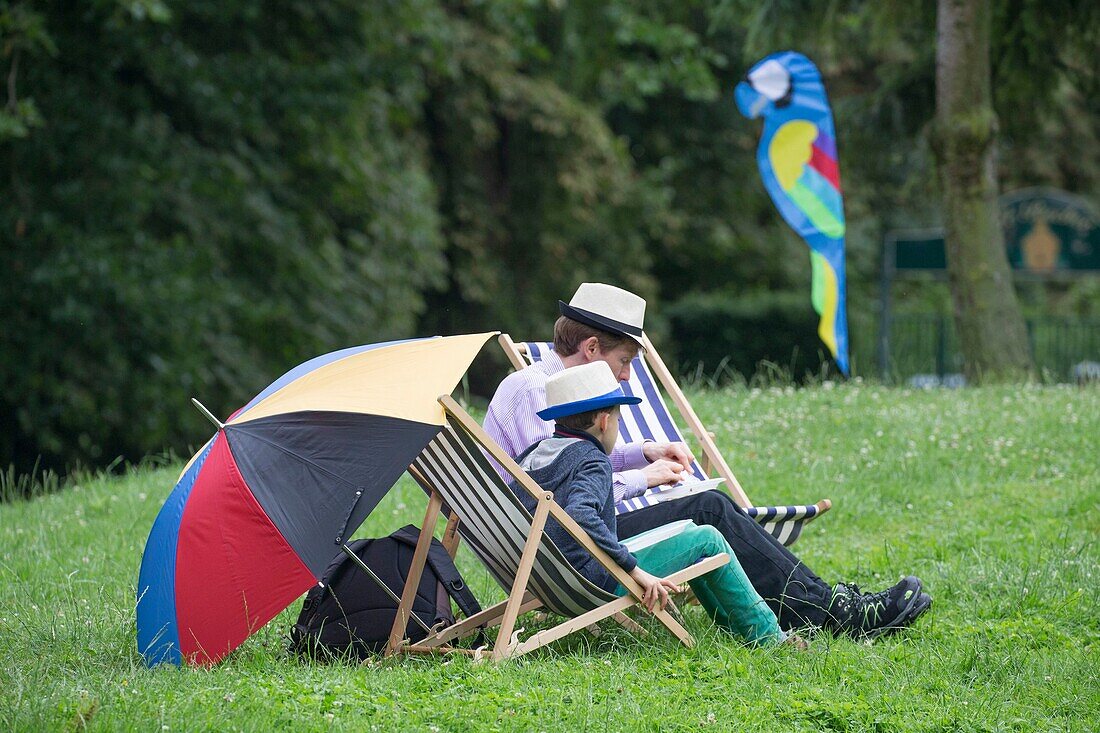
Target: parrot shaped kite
x,y
798,162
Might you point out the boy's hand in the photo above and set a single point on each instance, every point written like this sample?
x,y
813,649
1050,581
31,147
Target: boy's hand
x,y
657,589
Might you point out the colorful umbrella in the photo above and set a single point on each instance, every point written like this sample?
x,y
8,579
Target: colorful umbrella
x,y
260,511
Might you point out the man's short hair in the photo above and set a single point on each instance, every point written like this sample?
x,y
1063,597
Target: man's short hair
x,y
570,334
582,420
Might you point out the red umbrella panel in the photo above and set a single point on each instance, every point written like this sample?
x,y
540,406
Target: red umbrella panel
x,y
258,514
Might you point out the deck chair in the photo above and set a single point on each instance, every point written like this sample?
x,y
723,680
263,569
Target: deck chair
x,y
651,420
510,542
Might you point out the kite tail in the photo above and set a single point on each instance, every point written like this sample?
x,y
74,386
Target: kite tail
x,y
825,296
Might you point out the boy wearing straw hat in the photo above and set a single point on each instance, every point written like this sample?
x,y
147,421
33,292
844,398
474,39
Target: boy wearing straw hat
x,y
604,323
573,464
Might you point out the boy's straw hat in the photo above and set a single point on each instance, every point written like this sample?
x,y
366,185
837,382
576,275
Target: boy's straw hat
x,y
583,388
607,308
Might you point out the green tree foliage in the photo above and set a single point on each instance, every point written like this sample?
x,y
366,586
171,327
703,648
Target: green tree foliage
x,y
23,33
536,191
195,196
214,192
669,200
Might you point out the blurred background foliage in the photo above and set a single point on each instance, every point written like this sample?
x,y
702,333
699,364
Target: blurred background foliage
x,y
198,195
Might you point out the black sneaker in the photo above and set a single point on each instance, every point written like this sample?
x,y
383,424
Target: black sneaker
x,y
868,615
924,602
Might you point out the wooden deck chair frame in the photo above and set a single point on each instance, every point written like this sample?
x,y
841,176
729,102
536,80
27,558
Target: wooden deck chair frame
x,y
520,598
711,461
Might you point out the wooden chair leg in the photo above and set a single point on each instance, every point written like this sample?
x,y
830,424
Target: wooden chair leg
x,y
617,606
523,574
542,638
676,628
416,570
511,351
629,624
488,618
451,537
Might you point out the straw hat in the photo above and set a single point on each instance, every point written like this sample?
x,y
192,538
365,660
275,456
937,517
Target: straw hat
x,y
583,388
607,308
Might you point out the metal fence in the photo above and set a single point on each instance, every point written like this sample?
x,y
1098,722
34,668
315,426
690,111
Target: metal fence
x,y
924,345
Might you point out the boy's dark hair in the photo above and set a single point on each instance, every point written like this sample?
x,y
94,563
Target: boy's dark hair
x,y
570,334
582,420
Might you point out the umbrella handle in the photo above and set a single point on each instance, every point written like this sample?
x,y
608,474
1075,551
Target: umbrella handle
x,y
363,566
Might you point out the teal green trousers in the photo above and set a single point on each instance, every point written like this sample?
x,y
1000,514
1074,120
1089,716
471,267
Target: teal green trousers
x,y
726,593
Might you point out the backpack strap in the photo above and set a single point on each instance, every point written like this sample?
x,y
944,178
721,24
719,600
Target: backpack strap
x,y
456,587
444,568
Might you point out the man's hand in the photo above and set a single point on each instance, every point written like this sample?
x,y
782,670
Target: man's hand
x,y
662,472
675,452
657,589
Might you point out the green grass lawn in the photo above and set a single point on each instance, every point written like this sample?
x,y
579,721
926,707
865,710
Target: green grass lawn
x,y
991,495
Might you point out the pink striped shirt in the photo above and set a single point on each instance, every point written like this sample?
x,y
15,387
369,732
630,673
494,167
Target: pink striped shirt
x,y
513,423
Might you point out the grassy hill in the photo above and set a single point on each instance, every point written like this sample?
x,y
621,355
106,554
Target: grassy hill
x,y
991,495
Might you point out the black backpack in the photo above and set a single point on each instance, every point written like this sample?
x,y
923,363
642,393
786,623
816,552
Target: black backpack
x,y
351,616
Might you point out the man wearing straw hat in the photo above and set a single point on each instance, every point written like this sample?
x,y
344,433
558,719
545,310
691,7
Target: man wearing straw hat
x,y
604,323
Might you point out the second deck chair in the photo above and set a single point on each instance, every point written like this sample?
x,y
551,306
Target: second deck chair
x,y
652,420
510,542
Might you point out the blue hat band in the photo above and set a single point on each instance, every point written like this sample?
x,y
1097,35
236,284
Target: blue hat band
x,y
612,398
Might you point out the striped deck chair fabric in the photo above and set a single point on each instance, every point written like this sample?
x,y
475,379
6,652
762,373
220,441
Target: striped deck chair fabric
x,y
651,420
510,542
495,525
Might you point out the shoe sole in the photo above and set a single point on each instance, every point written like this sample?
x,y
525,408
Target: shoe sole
x,y
902,617
924,602
921,602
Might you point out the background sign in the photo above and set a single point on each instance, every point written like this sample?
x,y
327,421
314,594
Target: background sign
x,y
1046,231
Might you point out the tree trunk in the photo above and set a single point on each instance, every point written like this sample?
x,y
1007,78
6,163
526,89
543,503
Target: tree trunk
x,y
990,327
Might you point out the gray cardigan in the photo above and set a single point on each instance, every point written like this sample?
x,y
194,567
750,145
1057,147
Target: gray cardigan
x,y
573,466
